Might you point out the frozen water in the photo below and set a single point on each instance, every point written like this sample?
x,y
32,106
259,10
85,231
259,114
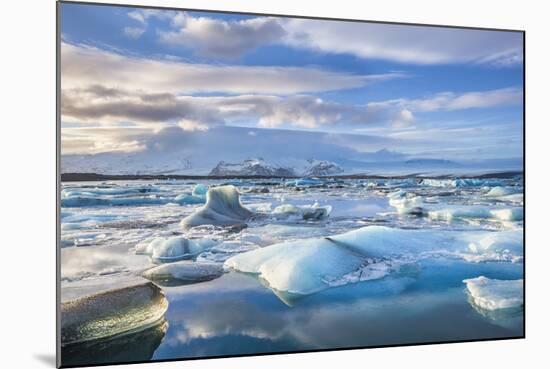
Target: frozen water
x,y
98,308
494,294
308,266
223,208
476,233
306,212
165,250
184,272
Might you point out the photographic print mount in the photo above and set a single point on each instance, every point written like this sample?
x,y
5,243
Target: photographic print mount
x,y
223,175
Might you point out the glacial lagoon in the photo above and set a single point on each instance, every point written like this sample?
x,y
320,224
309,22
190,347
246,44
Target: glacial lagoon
x,y
244,266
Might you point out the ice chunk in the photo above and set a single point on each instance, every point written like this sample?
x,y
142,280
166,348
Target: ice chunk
x,y
200,190
452,212
184,272
108,307
197,196
306,212
297,267
307,266
305,182
460,182
494,294
186,199
494,246
501,191
223,208
165,250
405,202
225,250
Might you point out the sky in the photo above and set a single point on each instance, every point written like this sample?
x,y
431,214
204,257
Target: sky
x,y
137,80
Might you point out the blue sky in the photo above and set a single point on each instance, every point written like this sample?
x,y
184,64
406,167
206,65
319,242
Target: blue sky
x,y
129,73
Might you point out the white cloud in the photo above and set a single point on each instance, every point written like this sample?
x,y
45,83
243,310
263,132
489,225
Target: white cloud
x,y
134,32
398,43
449,101
218,38
406,44
83,66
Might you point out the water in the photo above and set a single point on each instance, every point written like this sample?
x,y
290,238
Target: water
x,y
238,314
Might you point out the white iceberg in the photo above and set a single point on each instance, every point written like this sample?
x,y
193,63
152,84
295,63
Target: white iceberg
x,y
197,196
223,208
109,306
460,182
494,246
406,203
307,266
305,212
163,250
499,191
184,272
495,294
452,212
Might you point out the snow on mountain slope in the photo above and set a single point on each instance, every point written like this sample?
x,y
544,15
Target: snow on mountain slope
x,y
251,167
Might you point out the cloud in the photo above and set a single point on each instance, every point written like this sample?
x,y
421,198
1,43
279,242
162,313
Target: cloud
x,y
222,39
97,103
134,32
82,66
109,106
449,101
404,44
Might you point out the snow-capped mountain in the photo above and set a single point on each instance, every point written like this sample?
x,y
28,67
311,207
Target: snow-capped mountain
x,y
319,168
251,167
260,167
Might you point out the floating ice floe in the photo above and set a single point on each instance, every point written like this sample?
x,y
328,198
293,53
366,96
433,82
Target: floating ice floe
x,y
93,309
506,246
223,208
460,182
510,194
501,191
305,182
223,251
305,212
84,201
452,212
166,250
197,196
409,203
307,266
184,272
495,294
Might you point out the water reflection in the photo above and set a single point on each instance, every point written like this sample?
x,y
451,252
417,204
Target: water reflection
x,y
220,320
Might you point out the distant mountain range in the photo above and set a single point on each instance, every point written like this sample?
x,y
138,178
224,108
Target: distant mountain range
x,y
259,167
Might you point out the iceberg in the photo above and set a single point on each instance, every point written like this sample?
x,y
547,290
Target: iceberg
x,y
482,212
197,196
305,182
94,309
184,272
501,191
495,294
460,182
406,203
166,250
307,212
307,266
223,208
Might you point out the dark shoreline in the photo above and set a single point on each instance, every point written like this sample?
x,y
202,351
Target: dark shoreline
x,y
92,177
